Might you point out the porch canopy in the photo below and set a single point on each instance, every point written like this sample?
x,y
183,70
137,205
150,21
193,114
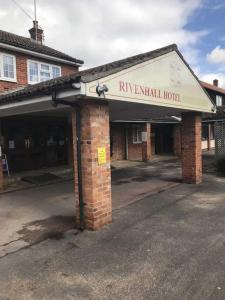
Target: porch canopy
x,y
153,85
148,86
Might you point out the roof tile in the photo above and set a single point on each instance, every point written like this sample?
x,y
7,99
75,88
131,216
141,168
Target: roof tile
x,y
26,43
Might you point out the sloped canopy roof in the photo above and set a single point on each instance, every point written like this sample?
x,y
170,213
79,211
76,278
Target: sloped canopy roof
x,y
151,78
87,75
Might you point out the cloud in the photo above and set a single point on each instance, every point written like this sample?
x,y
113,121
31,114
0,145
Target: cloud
x,y
217,56
100,31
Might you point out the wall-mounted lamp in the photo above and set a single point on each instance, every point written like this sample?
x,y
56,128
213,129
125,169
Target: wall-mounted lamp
x,y
101,89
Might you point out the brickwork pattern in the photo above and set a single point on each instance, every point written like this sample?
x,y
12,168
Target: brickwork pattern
x,y
177,140
21,70
96,178
134,150
118,136
146,145
191,147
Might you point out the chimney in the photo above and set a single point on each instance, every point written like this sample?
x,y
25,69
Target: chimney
x,y
36,33
216,82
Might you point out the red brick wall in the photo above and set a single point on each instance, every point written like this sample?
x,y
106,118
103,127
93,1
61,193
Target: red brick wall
x,y
96,178
21,70
177,139
134,150
118,141
146,145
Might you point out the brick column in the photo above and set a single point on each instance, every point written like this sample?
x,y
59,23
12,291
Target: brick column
x,y
191,147
177,139
146,145
96,178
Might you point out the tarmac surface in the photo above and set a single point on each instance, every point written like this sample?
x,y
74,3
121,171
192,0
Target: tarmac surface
x,y
33,213
170,245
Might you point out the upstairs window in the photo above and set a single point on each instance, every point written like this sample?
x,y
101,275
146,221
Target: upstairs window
x,y
56,72
38,72
219,100
45,72
7,67
33,72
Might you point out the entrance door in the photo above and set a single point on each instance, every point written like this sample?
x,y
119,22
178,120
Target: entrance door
x,y
35,144
163,139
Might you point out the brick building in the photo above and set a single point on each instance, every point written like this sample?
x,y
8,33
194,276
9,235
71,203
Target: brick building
x,y
33,142
118,110
217,94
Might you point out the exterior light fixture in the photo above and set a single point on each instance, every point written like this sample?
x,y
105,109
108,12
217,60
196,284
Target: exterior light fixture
x,y
176,118
76,85
101,89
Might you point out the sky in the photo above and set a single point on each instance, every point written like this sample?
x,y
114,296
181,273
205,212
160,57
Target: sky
x,y
101,31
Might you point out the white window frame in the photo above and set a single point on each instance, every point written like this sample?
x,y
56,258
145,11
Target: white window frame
x,y
39,63
2,77
135,129
219,100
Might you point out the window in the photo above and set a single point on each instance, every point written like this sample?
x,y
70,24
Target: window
x,y
45,72
33,72
218,100
137,134
7,67
56,72
38,72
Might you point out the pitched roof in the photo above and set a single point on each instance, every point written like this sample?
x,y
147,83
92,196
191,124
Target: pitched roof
x,y
212,87
87,75
26,43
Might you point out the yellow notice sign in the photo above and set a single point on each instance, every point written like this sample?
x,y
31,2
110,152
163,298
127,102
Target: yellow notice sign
x,y
101,155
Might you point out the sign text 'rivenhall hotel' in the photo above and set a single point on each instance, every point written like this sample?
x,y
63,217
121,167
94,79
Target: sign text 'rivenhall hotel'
x,y
136,89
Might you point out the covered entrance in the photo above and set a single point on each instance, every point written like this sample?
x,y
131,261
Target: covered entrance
x,y
138,90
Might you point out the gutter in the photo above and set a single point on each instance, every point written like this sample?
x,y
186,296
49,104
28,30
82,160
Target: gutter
x,y
41,55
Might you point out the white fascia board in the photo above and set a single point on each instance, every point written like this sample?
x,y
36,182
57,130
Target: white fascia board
x,y
69,94
37,54
26,102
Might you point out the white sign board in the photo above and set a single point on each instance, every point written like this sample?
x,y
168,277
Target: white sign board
x,y
163,81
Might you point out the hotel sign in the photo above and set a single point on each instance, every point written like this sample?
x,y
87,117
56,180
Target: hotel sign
x,y
163,81
136,89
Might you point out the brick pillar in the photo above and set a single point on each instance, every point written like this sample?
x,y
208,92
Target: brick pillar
x,y
146,145
96,178
191,147
177,140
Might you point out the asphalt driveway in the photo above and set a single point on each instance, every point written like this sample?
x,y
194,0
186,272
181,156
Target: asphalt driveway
x,y
167,246
31,215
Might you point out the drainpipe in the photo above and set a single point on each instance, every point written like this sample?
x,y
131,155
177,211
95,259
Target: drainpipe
x,y
56,102
79,169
